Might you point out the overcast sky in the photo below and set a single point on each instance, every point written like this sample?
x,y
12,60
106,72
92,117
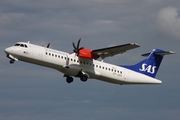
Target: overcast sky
x,y
31,92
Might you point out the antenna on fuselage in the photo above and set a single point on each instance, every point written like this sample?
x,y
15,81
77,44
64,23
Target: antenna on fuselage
x,y
28,41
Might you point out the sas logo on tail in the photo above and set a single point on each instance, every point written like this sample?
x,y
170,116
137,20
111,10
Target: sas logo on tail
x,y
148,68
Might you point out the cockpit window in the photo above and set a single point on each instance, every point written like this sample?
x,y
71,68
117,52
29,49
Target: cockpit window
x,y
17,45
21,45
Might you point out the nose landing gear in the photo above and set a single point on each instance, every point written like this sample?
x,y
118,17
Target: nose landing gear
x,y
11,61
12,58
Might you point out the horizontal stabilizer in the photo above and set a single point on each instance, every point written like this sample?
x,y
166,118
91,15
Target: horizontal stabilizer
x,y
159,53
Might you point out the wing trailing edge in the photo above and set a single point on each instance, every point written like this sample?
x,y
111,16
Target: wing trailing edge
x,y
111,51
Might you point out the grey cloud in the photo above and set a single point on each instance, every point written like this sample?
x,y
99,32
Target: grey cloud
x,y
169,21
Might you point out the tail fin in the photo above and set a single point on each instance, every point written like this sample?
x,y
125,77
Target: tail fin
x,y
150,65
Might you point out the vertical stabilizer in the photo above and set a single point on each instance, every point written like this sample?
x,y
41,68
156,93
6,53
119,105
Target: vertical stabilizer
x,y
151,64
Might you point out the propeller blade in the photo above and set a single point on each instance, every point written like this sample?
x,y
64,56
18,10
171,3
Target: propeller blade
x,y
74,45
76,48
78,43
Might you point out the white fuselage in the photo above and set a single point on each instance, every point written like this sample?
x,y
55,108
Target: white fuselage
x,y
71,64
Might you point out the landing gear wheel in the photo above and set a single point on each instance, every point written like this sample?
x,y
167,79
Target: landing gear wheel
x,y
84,78
69,79
11,61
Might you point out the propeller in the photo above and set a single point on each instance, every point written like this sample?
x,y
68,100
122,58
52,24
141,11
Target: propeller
x,y
76,48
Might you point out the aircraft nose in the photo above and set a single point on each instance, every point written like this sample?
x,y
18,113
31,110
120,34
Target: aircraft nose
x,y
8,50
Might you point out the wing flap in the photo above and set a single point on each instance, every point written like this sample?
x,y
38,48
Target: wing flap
x,y
111,51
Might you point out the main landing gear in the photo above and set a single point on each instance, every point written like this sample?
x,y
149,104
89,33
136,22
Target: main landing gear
x,y
69,79
83,77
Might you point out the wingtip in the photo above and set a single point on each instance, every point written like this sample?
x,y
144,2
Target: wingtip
x,y
135,44
172,52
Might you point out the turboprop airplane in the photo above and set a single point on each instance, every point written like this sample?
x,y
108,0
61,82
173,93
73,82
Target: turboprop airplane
x,y
84,63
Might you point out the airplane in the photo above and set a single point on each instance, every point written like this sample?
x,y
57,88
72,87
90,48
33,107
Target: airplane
x,y
85,64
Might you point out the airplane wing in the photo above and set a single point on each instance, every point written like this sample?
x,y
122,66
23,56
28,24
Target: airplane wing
x,y
111,51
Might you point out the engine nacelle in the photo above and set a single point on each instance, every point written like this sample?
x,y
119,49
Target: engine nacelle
x,y
86,53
